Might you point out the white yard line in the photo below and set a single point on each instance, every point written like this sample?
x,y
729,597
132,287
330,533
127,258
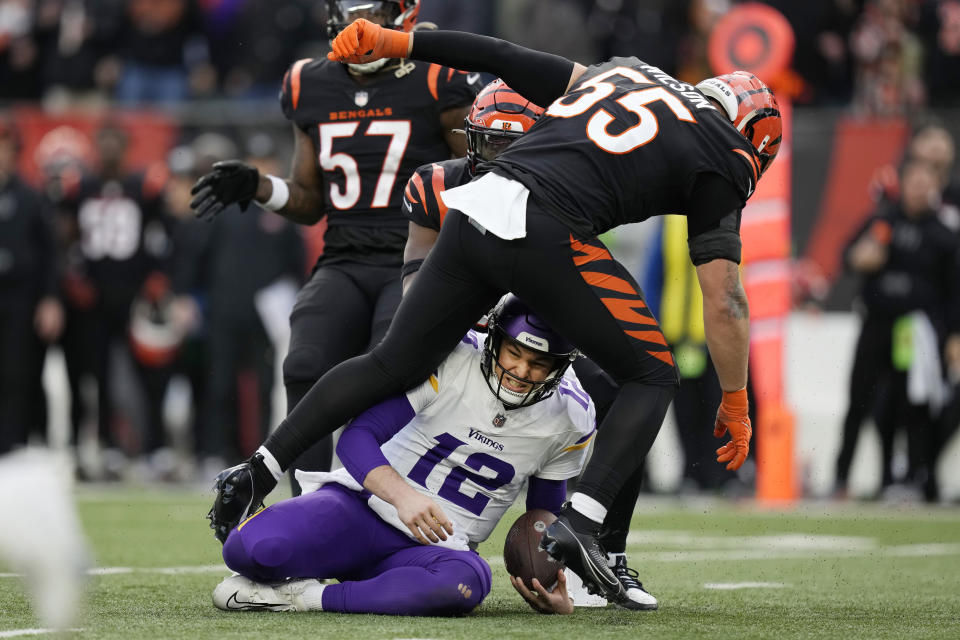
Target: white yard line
x,y
115,571
704,549
730,586
16,633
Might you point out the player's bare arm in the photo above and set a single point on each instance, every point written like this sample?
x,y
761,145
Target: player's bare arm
x,y
305,202
419,242
424,517
538,76
297,198
726,320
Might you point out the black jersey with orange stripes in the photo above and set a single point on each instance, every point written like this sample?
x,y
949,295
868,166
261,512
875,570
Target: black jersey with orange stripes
x,y
421,199
370,135
627,142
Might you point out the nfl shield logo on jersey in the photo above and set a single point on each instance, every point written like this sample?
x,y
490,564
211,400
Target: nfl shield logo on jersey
x,y
499,420
360,98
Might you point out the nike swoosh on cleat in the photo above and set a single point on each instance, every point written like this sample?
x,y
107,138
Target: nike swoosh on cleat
x,y
247,606
589,562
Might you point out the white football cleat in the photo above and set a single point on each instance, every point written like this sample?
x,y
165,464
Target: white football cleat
x,y
238,593
579,594
638,597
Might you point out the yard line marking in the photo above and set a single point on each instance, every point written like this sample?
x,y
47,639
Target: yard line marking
x,y
898,551
787,541
33,632
115,571
729,586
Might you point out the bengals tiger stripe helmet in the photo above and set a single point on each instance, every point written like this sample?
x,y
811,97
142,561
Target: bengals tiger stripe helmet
x,y
499,116
751,107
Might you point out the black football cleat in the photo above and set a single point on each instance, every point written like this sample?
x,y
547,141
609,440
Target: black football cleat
x,y
581,552
638,598
240,491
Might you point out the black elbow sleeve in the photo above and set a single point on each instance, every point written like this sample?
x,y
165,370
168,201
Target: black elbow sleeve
x,y
540,77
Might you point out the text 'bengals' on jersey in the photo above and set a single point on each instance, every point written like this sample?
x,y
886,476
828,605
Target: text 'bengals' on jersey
x,y
370,136
625,143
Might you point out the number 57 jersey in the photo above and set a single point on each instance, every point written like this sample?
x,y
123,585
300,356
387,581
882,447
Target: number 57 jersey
x,y
370,134
471,456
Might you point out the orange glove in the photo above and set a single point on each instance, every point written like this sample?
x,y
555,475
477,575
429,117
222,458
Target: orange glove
x,y
365,41
732,416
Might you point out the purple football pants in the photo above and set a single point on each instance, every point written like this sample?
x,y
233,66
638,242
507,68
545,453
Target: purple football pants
x,y
332,533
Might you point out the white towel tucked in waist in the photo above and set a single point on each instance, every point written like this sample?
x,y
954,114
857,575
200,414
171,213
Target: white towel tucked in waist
x,y
496,203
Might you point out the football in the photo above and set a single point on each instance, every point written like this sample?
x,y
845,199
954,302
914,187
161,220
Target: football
x,y
522,555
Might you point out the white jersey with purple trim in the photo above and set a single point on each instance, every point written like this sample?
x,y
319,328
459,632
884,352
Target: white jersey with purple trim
x,y
470,454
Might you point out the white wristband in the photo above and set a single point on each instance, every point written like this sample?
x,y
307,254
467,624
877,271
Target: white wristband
x,y
279,196
270,462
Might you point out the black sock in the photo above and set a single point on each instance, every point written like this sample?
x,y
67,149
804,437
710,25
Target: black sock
x,y
580,522
616,526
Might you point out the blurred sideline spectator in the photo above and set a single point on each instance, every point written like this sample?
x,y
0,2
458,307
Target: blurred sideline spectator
x,y
555,26
252,42
30,312
72,38
159,46
911,298
692,62
119,246
888,58
940,29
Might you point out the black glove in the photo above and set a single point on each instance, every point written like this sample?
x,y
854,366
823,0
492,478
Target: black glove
x,y
240,492
230,182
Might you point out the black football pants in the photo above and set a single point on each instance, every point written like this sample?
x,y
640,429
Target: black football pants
x,y
576,287
342,311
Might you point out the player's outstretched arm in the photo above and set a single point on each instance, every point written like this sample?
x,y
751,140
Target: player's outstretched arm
x,y
304,203
726,319
424,517
540,77
297,198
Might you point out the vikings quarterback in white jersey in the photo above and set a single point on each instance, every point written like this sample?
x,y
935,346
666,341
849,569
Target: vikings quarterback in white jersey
x,y
426,476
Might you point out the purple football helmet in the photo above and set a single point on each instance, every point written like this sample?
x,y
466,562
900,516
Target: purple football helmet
x,y
513,320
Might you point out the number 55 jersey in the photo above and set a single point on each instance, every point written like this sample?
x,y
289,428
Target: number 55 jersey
x,y
370,134
625,143
469,454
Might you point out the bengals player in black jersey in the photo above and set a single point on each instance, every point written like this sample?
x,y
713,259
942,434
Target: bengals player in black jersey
x,y
360,131
498,117
620,141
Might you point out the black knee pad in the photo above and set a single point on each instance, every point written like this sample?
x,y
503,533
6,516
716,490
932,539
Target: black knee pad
x,y
304,365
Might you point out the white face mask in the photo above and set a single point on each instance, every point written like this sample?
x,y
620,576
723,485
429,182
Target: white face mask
x,y
365,68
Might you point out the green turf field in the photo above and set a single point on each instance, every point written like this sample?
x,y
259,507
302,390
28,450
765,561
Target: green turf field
x,y
720,570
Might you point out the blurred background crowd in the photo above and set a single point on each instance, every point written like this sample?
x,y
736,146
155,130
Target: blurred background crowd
x,y
169,328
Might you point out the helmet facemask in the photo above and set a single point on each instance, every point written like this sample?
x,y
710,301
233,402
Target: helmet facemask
x,y
513,326
499,115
